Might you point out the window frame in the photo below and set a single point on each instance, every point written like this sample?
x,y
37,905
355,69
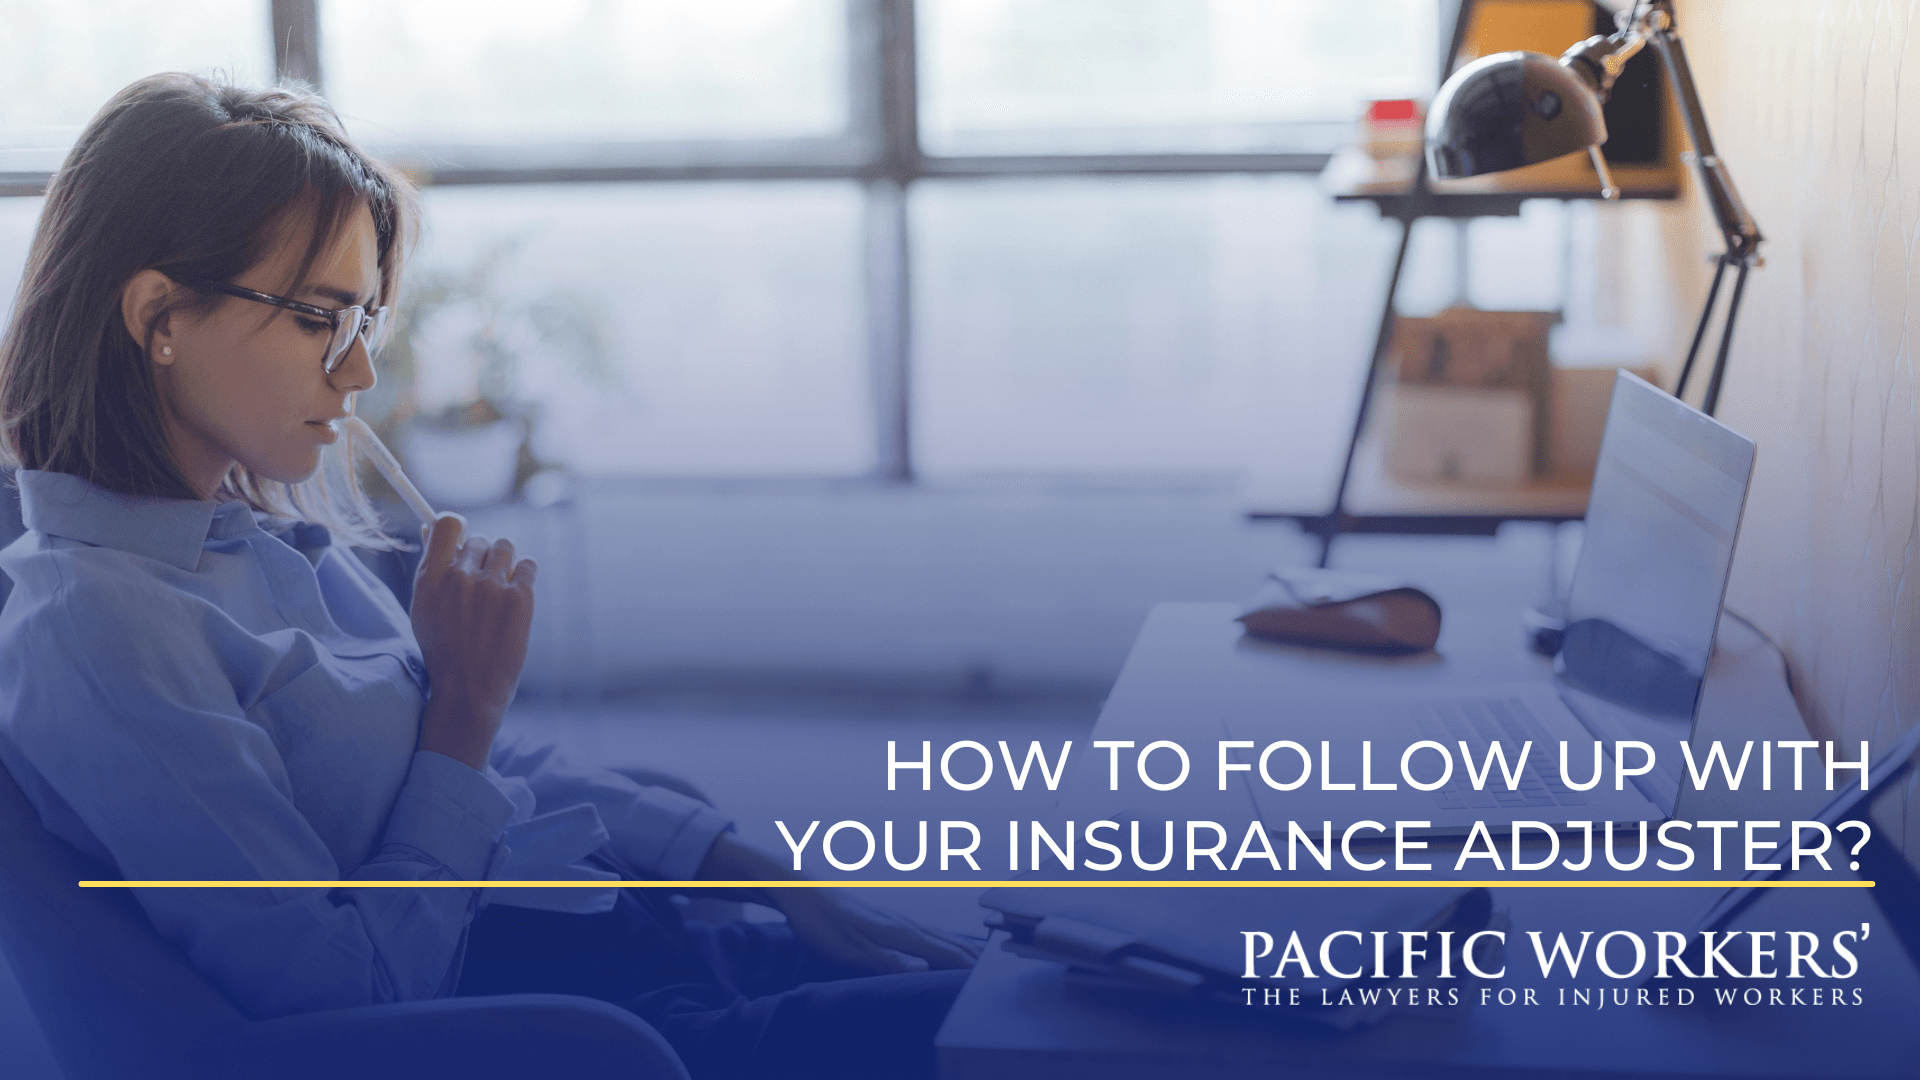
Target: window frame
x,y
881,151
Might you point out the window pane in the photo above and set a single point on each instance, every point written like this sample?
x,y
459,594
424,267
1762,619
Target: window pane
x,y
1091,76
64,60
729,315
18,218
1217,324
1193,325
502,71
1513,263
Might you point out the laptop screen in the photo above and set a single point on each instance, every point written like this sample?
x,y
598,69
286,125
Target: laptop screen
x,y
1668,493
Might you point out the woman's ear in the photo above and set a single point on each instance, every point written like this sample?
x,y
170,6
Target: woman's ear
x,y
142,301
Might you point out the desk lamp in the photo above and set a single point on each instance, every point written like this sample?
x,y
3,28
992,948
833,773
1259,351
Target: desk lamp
x,y
1520,108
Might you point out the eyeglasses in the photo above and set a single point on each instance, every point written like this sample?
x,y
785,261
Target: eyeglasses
x,y
345,323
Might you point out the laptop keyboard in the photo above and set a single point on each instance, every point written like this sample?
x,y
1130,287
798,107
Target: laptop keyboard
x,y
1480,723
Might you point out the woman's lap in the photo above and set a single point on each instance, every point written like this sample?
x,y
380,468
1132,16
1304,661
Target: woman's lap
x,y
734,999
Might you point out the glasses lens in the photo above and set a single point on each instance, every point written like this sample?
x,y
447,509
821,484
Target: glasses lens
x,y
351,320
379,324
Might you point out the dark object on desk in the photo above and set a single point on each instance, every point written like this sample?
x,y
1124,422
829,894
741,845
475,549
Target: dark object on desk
x,y
1197,943
1611,663
1546,628
1343,610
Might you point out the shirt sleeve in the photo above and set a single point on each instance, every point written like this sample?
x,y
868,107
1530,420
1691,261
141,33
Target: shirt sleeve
x,y
655,832
127,714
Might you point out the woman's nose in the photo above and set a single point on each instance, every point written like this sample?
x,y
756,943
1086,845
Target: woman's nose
x,y
355,373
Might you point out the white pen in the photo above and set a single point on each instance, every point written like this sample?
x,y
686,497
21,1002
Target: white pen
x,y
389,467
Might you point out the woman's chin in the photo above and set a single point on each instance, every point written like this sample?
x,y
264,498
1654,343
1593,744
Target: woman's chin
x,y
287,472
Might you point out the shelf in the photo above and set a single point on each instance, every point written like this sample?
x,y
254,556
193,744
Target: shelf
x,y
1353,176
1380,503
1375,502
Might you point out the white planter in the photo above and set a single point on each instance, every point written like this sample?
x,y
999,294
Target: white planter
x,y
458,467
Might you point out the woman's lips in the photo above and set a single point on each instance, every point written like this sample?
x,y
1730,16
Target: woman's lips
x,y
328,432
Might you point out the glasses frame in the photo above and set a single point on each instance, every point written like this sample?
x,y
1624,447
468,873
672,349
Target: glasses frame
x,y
373,323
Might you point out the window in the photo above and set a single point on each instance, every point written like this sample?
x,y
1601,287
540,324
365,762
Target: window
x,y
1121,76
840,237
729,313
64,60
502,73
1130,326
18,217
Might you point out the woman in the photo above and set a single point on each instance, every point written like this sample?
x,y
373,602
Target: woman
x,y
198,681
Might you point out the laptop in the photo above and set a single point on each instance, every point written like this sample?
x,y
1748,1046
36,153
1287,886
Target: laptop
x,y
1668,493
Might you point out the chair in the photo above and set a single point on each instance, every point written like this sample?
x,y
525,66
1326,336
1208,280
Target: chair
x,y
115,999
10,524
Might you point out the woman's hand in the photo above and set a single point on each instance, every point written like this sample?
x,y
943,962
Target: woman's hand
x,y
835,924
849,931
472,609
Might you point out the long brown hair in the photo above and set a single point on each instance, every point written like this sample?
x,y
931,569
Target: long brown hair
x,y
196,179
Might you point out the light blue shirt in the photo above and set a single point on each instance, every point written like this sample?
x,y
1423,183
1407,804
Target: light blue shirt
x,y
191,690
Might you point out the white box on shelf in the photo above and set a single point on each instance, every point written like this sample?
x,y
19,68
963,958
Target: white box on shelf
x,y
1460,435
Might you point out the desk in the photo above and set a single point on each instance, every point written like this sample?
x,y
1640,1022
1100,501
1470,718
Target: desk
x,y
1018,1018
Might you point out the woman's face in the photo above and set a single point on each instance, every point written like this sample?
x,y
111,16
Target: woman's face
x,y
247,382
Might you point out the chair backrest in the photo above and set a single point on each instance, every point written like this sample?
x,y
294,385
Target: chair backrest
x,y
111,995
10,524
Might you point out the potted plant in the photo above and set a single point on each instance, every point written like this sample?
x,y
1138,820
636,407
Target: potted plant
x,y
454,399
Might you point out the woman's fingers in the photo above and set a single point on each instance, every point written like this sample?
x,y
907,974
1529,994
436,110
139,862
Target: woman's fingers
x,y
906,961
840,929
473,553
890,942
934,948
472,614
879,959
894,931
524,572
497,561
444,539
964,951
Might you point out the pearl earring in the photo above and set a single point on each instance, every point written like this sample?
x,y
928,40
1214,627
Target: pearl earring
x,y
166,350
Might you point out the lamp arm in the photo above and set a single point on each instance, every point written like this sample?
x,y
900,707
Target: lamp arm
x,y
1736,224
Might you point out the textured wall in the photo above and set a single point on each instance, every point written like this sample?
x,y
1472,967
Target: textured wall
x,y
1816,108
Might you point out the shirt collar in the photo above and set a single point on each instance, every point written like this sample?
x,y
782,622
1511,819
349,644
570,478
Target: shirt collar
x,y
171,530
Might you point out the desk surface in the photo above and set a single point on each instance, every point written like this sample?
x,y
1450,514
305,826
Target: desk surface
x,y
1018,1017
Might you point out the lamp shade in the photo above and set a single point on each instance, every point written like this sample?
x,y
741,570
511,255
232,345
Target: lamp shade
x,y
1507,110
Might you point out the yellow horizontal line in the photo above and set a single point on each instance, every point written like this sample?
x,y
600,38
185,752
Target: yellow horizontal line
x,y
907,883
